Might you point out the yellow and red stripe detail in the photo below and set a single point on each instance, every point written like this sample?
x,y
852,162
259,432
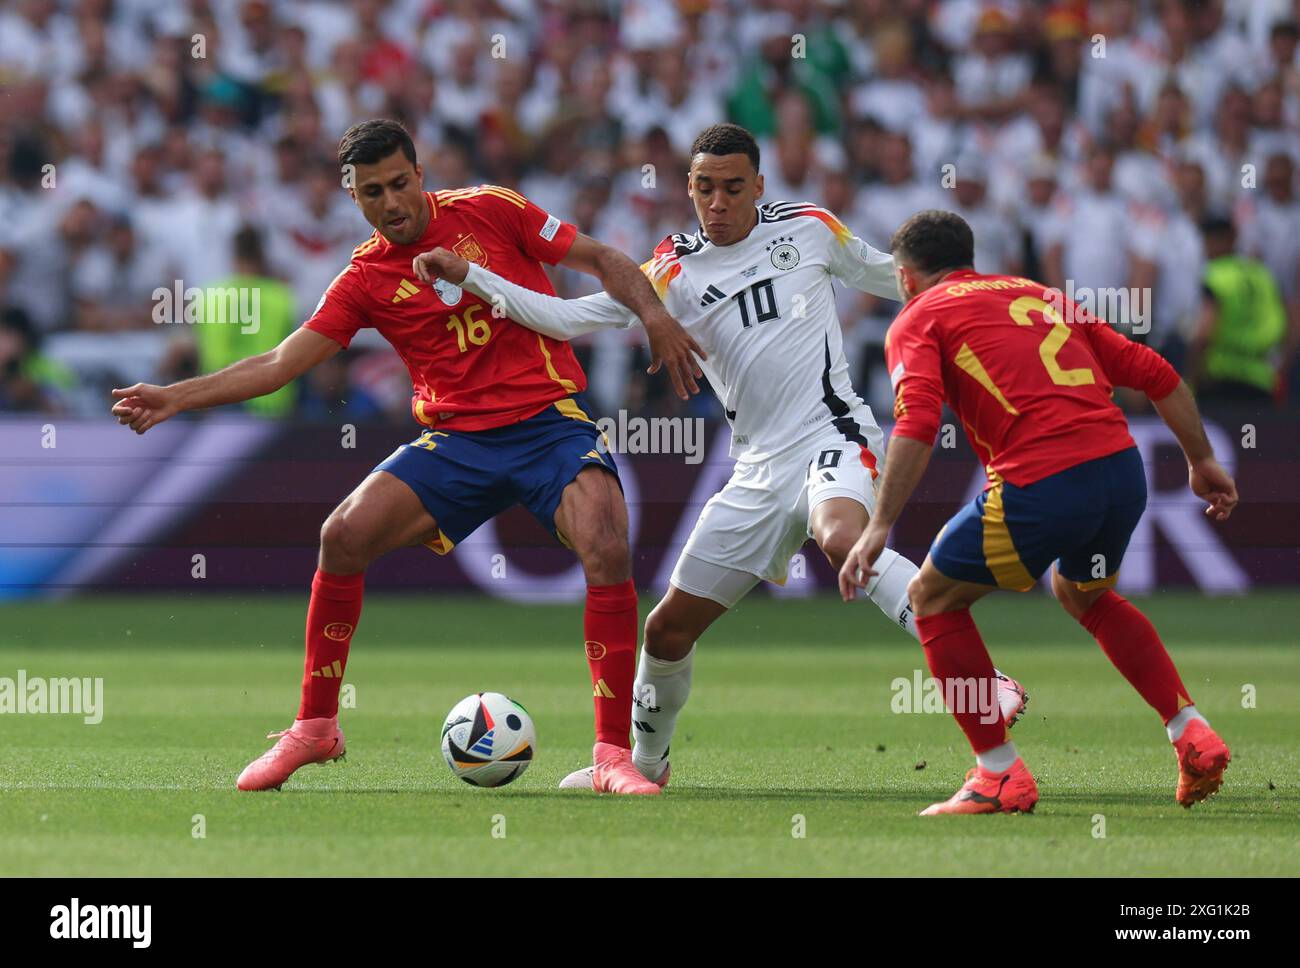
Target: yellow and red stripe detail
x,y
1088,586
440,543
1000,553
840,230
367,246
869,461
661,271
452,196
567,384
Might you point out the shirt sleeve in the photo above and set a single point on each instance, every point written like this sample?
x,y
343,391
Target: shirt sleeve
x,y
916,372
855,263
543,236
1130,364
552,316
338,315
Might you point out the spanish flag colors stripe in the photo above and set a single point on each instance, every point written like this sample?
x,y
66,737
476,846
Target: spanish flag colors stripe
x,y
999,551
568,385
970,363
451,196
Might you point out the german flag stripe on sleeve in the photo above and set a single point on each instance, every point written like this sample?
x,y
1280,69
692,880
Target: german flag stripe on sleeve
x,y
781,211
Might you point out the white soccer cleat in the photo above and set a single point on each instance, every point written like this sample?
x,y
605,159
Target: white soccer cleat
x,y
584,779
1012,698
579,779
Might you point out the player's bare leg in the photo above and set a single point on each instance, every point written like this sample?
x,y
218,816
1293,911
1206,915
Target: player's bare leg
x,y
836,524
1134,648
592,520
955,653
380,515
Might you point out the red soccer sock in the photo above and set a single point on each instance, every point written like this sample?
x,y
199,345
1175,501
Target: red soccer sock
x,y
1133,646
958,660
332,617
609,625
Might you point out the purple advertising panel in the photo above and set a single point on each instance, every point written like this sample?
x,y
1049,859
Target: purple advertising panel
x,y
235,502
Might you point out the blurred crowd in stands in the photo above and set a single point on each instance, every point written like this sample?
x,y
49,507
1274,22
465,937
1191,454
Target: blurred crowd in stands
x,y
1114,146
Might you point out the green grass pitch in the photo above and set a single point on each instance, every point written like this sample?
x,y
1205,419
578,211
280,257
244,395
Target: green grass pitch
x,y
789,718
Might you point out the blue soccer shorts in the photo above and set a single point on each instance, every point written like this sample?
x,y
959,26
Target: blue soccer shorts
x,y
1081,517
463,478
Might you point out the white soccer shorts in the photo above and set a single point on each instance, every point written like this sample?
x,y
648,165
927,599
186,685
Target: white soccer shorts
x,y
760,518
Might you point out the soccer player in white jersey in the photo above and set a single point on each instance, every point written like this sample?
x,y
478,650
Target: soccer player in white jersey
x,y
753,287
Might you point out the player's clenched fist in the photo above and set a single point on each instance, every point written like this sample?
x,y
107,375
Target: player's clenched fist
x,y
1211,482
440,263
143,405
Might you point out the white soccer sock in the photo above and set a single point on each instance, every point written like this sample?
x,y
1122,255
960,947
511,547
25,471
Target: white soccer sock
x,y
659,694
888,589
1179,722
998,759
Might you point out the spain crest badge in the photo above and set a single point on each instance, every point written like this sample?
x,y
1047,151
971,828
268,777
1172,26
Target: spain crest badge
x,y
469,250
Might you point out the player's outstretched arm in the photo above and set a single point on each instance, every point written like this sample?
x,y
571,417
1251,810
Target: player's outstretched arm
x,y
857,264
1205,475
552,316
145,405
567,318
671,346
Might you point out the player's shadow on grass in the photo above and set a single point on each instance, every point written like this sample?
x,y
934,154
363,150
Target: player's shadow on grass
x,y
782,793
576,796
1245,798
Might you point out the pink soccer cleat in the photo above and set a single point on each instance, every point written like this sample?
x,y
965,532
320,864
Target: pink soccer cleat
x,y
987,792
615,772
1202,758
583,779
306,741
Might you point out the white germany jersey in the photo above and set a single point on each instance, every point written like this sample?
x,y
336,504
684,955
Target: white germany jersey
x,y
763,309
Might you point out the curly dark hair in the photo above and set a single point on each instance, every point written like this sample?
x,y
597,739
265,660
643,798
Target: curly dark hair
x,y
934,240
726,139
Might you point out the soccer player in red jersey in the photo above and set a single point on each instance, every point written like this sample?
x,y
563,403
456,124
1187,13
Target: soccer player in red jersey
x,y
504,423
1030,377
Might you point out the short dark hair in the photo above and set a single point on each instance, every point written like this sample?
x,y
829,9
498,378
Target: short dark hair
x,y
726,139
369,142
1218,225
934,240
247,245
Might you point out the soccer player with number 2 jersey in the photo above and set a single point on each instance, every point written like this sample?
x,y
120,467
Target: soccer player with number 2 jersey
x,y
1030,376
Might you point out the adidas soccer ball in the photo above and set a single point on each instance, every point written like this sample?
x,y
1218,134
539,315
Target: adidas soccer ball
x,y
488,739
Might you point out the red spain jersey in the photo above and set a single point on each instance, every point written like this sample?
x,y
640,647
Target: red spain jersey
x,y
1028,373
469,370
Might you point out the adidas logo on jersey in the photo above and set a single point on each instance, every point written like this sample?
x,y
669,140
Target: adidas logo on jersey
x,y
405,290
332,671
712,295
